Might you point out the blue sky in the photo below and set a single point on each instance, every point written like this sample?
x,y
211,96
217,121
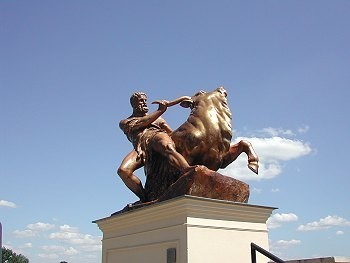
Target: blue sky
x,y
68,68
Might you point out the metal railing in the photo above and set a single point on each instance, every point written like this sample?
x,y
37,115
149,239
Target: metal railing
x,y
254,248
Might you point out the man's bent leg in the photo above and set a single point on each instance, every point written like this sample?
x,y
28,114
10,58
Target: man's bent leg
x,y
175,158
163,144
126,173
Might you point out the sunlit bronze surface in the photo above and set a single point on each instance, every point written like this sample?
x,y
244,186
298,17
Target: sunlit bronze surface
x,y
206,135
204,139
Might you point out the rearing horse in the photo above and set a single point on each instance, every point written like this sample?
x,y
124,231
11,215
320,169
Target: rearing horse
x,y
204,139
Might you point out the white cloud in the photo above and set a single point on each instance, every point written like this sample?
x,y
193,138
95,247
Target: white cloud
x,y
324,223
7,204
48,256
277,220
89,248
53,248
273,132
60,250
287,243
27,245
272,153
71,251
339,232
281,245
33,230
75,238
275,190
24,233
72,236
278,148
40,226
277,132
67,228
304,129
77,244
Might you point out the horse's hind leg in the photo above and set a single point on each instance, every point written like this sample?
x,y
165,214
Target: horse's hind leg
x,y
236,150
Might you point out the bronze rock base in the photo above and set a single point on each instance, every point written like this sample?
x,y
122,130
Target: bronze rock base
x,y
202,182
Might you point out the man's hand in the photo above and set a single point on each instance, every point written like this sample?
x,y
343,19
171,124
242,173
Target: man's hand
x,y
162,104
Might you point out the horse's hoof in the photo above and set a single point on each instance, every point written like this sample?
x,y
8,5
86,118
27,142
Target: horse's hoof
x,y
254,166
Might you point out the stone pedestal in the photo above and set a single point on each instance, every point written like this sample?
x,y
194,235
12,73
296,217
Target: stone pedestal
x,y
185,229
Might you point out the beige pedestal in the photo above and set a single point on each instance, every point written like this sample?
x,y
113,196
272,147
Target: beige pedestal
x,y
186,229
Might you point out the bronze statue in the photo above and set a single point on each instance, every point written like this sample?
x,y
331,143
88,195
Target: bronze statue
x,y
182,161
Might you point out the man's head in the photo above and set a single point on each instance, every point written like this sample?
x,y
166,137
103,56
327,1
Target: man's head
x,y
138,101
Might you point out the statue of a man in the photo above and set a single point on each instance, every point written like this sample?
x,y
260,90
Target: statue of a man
x,y
146,131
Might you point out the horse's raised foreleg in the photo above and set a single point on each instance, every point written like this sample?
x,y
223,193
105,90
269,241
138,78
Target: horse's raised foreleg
x,y
236,150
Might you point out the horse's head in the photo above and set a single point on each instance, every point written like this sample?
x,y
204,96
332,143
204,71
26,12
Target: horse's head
x,y
216,96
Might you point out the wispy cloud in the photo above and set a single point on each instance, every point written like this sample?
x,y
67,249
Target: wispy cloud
x,y
67,228
277,220
24,233
72,236
287,243
59,250
53,248
284,244
303,129
324,223
281,132
72,242
280,246
40,226
277,132
273,152
33,230
27,245
48,256
7,204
